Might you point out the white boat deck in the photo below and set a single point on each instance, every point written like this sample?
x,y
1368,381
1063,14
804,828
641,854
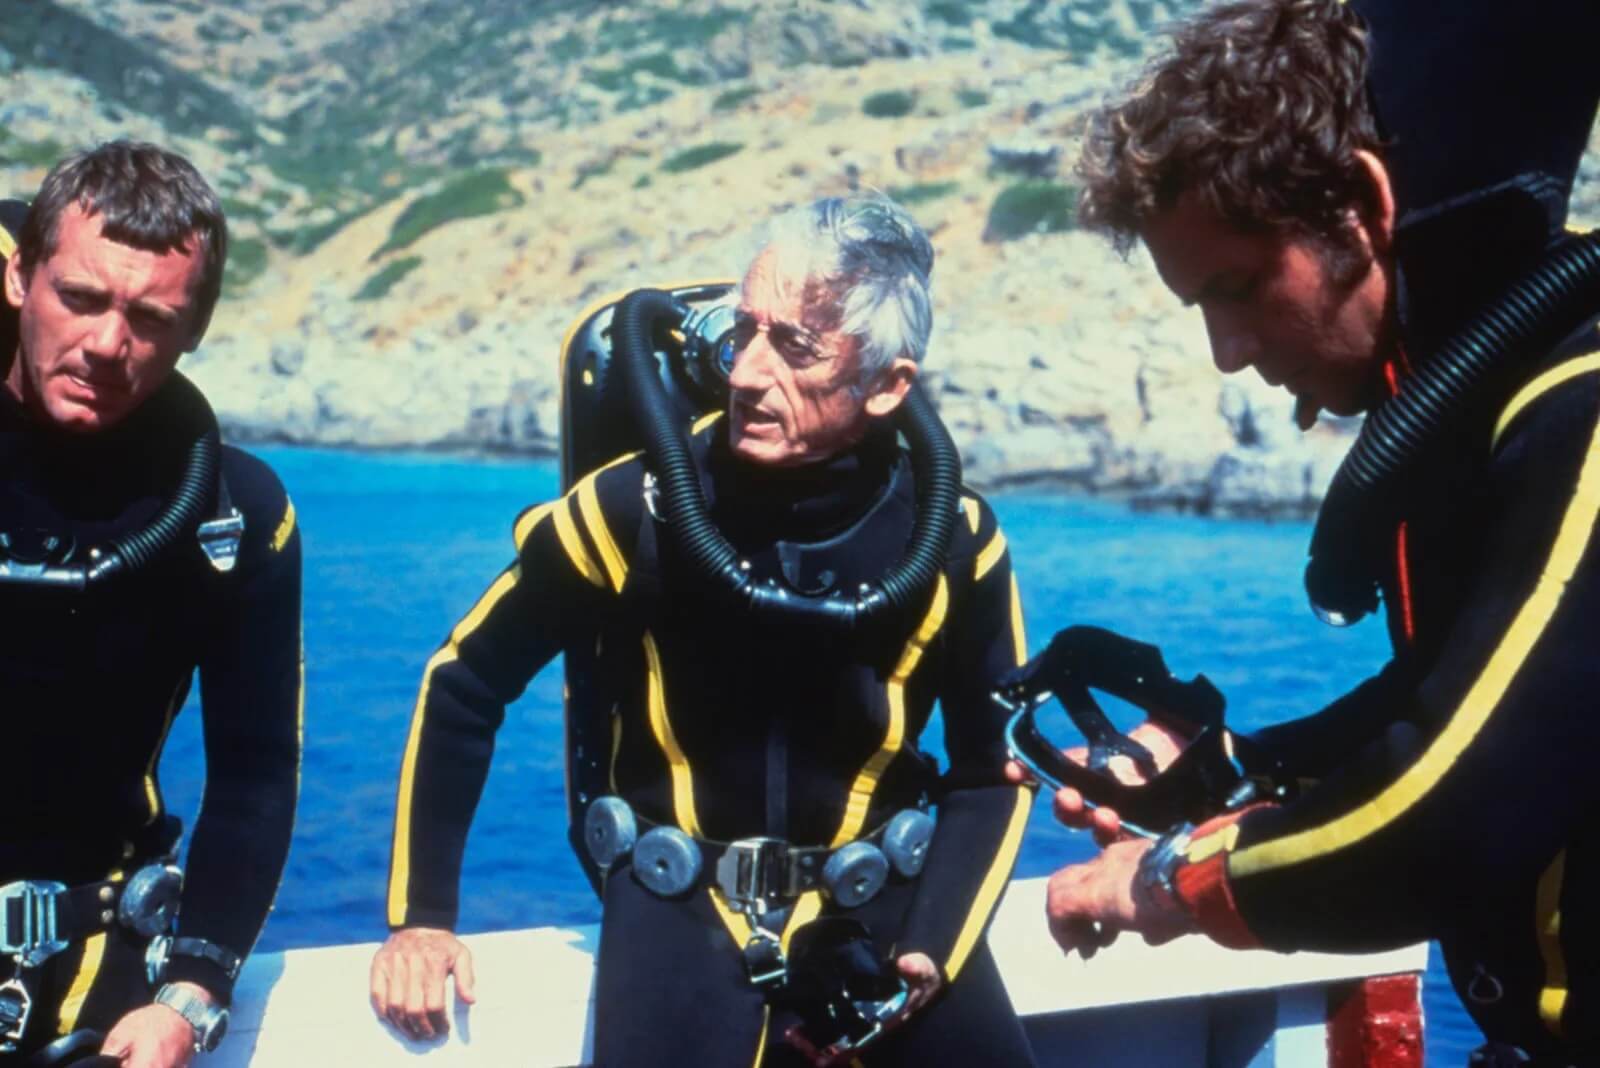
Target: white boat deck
x,y
1189,1002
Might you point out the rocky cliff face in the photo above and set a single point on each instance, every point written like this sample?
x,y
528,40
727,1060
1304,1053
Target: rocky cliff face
x,y
426,193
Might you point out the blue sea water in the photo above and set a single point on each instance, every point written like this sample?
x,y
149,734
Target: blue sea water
x,y
397,548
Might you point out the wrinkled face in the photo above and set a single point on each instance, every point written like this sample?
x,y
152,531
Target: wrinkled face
x,y
792,397
101,324
1270,303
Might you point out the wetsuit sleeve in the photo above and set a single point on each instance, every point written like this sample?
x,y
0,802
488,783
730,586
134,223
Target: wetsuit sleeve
x,y
980,817
251,701
1504,774
569,569
1315,746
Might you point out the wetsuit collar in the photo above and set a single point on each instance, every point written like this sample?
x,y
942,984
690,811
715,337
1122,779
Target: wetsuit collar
x,y
810,502
93,475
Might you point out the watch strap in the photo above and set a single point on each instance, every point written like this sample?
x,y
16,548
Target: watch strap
x,y
1156,878
209,1021
224,958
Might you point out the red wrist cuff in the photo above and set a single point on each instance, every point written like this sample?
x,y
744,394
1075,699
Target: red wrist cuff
x,y
1203,885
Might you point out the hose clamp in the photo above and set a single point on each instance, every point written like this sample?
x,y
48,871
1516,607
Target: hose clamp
x,y
220,539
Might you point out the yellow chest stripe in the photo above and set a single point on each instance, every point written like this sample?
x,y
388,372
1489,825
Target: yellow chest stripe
x,y
678,764
990,556
866,781
1531,392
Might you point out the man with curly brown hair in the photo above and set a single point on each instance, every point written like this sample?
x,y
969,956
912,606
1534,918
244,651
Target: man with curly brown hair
x,y
1347,191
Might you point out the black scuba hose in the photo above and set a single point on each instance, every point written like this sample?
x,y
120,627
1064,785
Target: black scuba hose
x,y
179,517
1362,502
935,464
184,513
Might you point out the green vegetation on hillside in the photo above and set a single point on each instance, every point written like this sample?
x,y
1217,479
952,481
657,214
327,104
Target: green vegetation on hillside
x,y
889,104
247,258
699,156
922,192
729,99
123,72
28,153
954,12
1031,207
480,193
378,286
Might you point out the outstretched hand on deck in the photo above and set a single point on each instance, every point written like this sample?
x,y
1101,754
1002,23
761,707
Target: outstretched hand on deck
x,y
408,980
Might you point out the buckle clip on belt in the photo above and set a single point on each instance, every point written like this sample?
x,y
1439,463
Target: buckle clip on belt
x,y
754,873
30,934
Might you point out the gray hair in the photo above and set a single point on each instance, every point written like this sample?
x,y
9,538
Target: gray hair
x,y
870,255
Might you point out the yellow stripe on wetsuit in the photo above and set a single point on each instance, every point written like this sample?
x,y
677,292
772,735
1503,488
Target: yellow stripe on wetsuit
x,y
572,545
866,782
806,909
988,895
1558,375
1572,539
994,881
152,795
683,808
400,874
990,556
1553,995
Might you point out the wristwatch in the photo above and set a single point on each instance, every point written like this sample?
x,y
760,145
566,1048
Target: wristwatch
x,y
1155,881
210,1022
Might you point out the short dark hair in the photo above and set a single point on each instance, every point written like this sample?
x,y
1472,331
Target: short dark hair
x,y
146,196
1258,108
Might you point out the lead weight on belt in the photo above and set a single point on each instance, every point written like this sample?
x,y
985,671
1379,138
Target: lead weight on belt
x,y
666,861
855,873
609,830
905,842
149,903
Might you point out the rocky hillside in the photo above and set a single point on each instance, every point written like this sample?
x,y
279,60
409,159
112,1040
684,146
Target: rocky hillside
x,y
426,192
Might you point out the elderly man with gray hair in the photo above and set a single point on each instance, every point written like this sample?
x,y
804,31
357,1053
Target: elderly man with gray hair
x,y
829,864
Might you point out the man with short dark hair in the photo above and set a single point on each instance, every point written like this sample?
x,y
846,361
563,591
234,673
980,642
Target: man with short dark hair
x,y
1343,192
749,742
133,550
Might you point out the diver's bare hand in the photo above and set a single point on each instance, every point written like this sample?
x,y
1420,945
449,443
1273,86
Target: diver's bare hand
x,y
1089,904
154,1036
408,980
922,977
1069,806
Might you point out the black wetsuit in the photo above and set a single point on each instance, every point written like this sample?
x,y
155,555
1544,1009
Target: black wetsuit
x,y
91,684
729,730
1457,792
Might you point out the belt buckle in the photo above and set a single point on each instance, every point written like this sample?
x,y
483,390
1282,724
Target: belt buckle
x,y
754,872
36,938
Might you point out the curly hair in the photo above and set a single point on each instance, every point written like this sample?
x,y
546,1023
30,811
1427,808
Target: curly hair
x,y
1258,108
